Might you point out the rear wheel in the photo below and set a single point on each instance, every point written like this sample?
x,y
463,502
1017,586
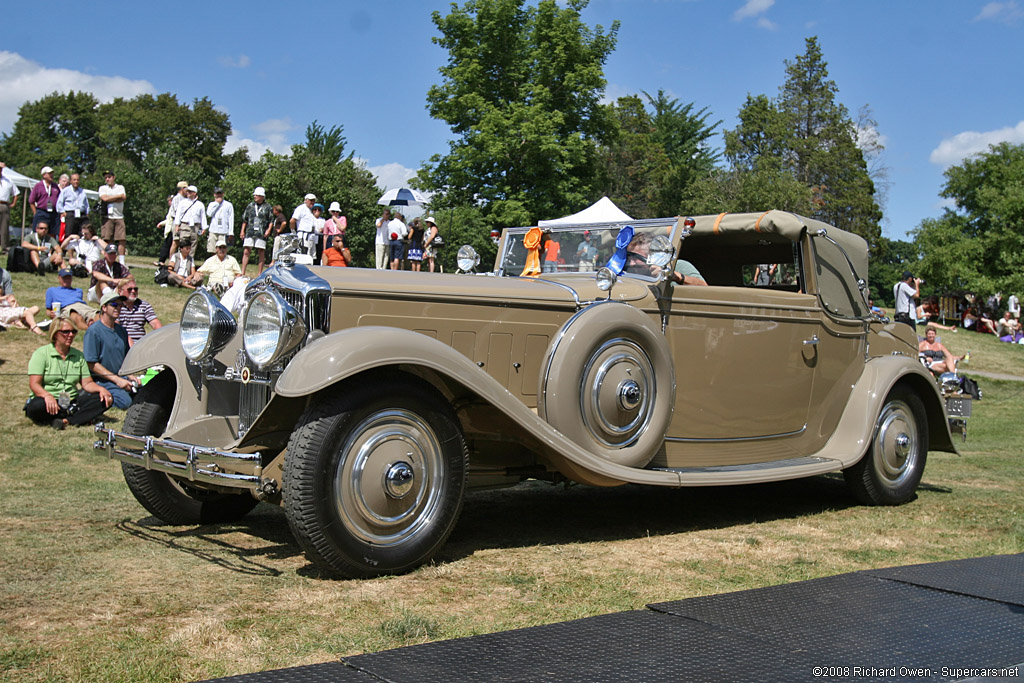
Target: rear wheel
x,y
891,470
170,499
374,477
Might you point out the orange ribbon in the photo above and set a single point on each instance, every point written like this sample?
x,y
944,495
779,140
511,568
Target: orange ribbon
x,y
532,243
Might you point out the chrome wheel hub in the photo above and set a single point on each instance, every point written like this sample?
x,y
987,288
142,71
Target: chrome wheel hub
x,y
896,448
389,478
617,392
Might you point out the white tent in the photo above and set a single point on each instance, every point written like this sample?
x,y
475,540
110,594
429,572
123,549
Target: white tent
x,y
25,184
601,211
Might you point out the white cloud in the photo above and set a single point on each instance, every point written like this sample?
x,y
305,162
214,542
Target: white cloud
x,y
752,8
869,138
22,80
1006,12
393,175
232,63
766,23
271,135
962,145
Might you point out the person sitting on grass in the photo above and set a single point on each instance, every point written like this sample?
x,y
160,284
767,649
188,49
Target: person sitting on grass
x,y
70,302
135,312
43,249
182,269
13,315
107,274
936,356
221,269
55,372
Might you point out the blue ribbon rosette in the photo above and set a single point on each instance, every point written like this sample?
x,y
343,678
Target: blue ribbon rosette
x,y
618,260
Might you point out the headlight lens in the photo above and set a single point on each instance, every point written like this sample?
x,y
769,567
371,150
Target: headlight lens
x,y
605,279
206,326
467,259
271,329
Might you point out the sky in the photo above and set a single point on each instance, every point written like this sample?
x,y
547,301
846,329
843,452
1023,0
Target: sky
x,y
943,78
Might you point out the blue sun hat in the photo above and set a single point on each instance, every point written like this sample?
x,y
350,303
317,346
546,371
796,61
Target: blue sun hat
x,y
618,260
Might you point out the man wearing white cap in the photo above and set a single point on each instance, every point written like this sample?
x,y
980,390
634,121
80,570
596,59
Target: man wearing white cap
x,y
113,229
221,269
191,218
221,214
303,223
170,220
43,201
257,222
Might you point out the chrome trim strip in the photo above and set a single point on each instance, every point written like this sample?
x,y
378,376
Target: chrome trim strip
x,y
750,467
683,439
575,295
201,462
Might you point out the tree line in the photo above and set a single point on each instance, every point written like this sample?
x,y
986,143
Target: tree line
x,y
521,91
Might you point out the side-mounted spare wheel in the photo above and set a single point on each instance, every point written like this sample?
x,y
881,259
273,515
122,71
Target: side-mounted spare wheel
x,y
374,475
608,383
170,499
891,470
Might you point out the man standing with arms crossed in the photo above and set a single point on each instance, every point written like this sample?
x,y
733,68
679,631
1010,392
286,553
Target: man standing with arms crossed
x,y
8,198
112,197
257,221
222,220
73,206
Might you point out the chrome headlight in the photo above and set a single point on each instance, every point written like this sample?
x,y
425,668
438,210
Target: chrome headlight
x,y
272,328
605,279
467,259
206,326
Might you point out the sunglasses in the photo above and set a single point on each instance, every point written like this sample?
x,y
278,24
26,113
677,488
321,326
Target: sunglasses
x,y
71,332
131,289
115,304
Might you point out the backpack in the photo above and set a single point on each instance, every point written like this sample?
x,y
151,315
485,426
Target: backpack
x,y
19,261
971,388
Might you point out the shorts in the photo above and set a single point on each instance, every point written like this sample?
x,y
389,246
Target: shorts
x,y
113,229
396,249
87,312
186,233
257,242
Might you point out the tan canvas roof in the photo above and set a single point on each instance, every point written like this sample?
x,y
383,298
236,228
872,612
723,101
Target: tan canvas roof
x,y
785,224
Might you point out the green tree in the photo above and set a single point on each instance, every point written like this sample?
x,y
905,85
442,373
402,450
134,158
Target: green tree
x,y
59,130
804,132
979,244
329,144
636,168
520,92
891,258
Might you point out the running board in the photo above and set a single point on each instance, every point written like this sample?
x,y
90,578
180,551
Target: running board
x,y
775,470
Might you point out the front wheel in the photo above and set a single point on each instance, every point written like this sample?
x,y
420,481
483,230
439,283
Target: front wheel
x,y
890,471
374,477
172,500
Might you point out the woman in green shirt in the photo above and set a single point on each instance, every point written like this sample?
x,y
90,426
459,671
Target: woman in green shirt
x,y
54,373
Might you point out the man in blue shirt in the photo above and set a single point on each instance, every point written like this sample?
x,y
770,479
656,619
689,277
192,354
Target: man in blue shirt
x,y
71,302
73,206
105,346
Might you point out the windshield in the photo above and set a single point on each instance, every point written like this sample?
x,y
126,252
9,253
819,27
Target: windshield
x,y
575,248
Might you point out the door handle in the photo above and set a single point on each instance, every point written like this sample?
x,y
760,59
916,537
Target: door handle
x,y
813,341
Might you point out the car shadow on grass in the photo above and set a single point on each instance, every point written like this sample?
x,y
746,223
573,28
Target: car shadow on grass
x,y
249,546
538,513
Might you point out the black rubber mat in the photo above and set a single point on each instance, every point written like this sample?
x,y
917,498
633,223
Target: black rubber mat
x,y
1000,577
934,621
856,618
328,672
628,646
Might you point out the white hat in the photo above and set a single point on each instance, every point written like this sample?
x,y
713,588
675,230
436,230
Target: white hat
x,y
335,206
430,219
46,169
192,188
221,242
259,192
310,196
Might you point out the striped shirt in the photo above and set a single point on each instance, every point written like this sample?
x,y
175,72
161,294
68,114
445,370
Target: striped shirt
x,y
134,319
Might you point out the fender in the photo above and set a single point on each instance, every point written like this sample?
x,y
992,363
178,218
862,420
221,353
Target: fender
x,y
850,440
347,353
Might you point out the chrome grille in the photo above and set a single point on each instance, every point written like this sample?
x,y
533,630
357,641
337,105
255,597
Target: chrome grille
x,y
315,307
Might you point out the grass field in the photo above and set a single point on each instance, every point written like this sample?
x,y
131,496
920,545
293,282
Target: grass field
x,y
93,589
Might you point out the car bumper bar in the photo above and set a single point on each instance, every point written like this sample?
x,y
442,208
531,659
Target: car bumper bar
x,y
201,463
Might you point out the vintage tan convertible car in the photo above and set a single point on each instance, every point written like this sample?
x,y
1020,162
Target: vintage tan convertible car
x,y
367,402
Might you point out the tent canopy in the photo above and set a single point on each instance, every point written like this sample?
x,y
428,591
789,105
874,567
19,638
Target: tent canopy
x,y
26,183
601,211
